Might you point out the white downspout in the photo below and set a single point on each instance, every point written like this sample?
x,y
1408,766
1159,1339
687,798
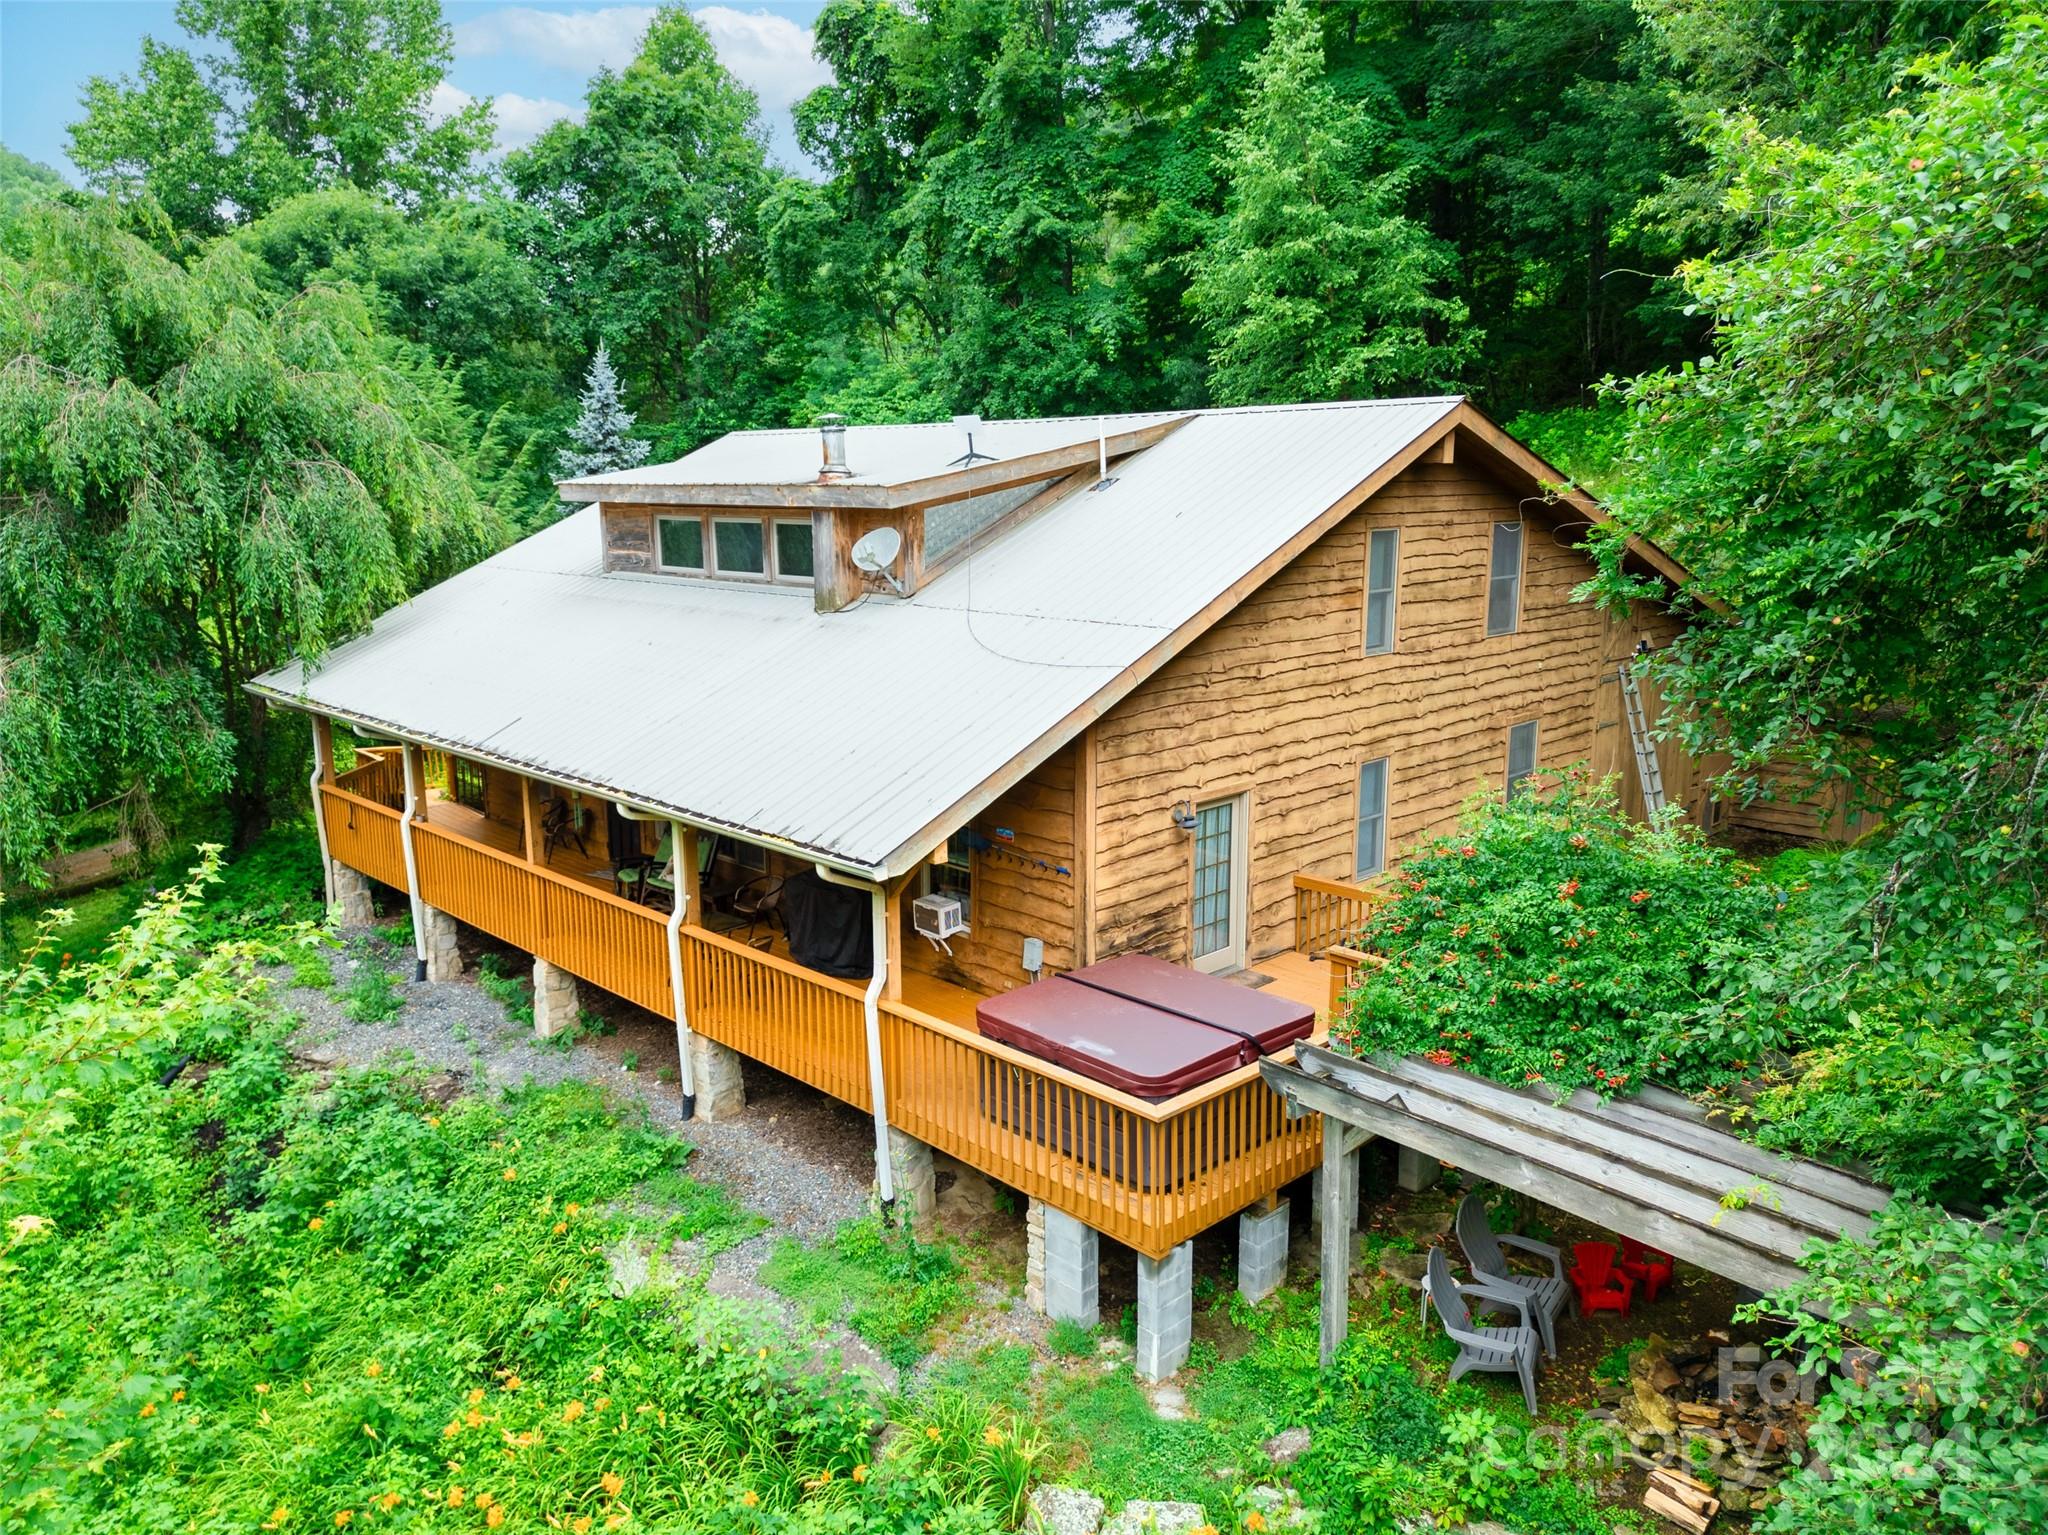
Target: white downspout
x,y
414,796
871,1008
685,1072
323,764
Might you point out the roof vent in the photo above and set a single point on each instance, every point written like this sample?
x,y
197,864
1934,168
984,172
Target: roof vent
x,y
833,430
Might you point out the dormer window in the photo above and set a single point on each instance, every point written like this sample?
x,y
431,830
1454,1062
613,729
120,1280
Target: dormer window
x,y
740,548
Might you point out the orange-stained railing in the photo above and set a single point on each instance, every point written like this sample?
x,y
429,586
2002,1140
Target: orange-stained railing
x,y
1147,1174
1328,912
363,834
379,774
1150,1175
808,1026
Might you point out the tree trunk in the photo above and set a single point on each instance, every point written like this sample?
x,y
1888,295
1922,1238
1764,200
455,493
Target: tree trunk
x,y
249,798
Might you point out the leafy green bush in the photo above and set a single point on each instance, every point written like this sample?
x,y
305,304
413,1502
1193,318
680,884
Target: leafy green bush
x,y
512,991
1555,940
885,1284
371,996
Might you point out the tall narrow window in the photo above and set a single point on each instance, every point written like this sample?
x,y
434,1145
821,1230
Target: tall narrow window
x,y
1372,818
681,543
1219,893
1504,580
793,551
1521,753
1382,562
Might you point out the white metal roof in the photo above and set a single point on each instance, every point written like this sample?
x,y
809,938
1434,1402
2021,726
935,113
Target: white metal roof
x,y
875,455
852,735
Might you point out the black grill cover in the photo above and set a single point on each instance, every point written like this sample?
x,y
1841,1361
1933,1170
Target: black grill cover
x,y
829,930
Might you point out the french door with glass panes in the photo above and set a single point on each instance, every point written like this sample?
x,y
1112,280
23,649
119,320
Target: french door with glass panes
x,y
1221,891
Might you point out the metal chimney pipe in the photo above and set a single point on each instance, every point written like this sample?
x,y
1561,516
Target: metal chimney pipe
x,y
833,430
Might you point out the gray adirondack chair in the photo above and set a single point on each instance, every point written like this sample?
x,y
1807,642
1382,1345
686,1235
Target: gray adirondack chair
x,y
1548,1293
1496,1349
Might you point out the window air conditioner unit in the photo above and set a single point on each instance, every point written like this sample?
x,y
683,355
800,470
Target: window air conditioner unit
x,y
938,917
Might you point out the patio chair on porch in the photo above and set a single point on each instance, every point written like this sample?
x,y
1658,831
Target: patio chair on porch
x,y
1548,1293
557,826
759,903
647,880
1498,1349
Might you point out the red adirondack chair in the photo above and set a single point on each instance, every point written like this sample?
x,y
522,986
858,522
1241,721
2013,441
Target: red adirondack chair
x,y
1602,1286
1646,1266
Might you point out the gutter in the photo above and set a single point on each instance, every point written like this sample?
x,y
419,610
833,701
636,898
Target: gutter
x,y
409,761
686,1073
871,1011
323,763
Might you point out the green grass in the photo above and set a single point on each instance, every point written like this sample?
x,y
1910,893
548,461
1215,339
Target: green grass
x,y
1071,1339
886,1285
371,996
701,1212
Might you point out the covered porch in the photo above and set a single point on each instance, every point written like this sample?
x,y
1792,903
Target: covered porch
x,y
1147,1174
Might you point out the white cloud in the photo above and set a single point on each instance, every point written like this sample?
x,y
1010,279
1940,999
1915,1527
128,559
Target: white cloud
x,y
770,54
583,41
520,119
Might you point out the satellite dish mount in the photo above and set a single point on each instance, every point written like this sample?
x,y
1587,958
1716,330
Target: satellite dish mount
x,y
876,552
970,425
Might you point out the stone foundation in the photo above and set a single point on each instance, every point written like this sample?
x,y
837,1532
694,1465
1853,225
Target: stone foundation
x,y
1166,1312
1073,1269
915,1179
1262,1251
556,1005
1415,1172
352,904
721,1087
444,959
1034,1255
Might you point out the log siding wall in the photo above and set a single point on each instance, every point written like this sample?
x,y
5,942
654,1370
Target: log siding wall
x,y
1279,702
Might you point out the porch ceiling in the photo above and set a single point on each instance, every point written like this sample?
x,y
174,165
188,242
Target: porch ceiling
x,y
1650,1165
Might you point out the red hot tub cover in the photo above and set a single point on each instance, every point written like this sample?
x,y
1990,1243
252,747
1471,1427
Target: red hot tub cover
x,y
1153,1045
1269,1022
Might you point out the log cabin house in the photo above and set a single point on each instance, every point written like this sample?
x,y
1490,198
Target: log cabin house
x,y
1178,684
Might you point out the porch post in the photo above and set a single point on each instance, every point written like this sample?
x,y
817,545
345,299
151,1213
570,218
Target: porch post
x,y
893,960
1340,1146
323,773
682,854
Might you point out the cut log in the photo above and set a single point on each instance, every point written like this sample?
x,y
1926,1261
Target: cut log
x,y
1662,1504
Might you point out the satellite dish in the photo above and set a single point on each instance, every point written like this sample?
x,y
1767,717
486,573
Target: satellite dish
x,y
876,552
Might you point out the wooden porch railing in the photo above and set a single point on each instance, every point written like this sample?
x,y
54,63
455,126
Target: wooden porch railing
x,y
1328,911
363,834
1149,1175
379,775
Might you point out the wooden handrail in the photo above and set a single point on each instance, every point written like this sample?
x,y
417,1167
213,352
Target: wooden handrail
x,y
1328,911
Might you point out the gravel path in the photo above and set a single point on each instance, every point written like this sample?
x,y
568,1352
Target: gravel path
x,y
795,1158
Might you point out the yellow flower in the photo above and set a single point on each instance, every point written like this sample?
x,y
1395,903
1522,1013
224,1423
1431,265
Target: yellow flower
x,y
389,1501
859,1473
369,1431
511,1173
451,1430
581,1526
751,1498
476,1395
149,1409
178,1395
932,1434
1255,1521
473,1418
434,1120
455,1497
991,1435
263,1388
513,1383
612,1483
315,1223
824,1476
277,1519
373,1369
1203,1529
343,1517
601,1404
560,1227
573,1209
597,1372
495,1516
483,1500
572,1412
761,1353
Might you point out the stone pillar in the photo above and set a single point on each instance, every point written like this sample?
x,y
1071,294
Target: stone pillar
x,y
352,904
444,960
1416,1172
1166,1311
1034,1255
1262,1250
911,1170
1071,1267
721,1088
556,1006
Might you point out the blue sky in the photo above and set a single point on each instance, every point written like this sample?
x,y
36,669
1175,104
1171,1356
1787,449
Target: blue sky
x,y
535,59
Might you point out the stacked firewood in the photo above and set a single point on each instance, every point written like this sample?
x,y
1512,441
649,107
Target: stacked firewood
x,y
1715,1425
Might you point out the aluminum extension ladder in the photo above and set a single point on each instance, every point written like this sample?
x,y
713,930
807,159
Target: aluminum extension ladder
x,y
1648,770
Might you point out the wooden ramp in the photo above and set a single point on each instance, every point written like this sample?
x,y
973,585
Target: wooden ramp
x,y
1651,1165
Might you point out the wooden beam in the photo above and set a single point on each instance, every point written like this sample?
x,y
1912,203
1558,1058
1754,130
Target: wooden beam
x,y
323,747
529,823
1338,1212
1617,1208
1445,451
689,882
1085,813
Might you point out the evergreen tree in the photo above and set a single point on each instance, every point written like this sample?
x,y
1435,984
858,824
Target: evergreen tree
x,y
1317,285
599,435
